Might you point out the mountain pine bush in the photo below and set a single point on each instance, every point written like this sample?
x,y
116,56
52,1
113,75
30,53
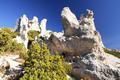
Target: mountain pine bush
x,y
41,65
8,45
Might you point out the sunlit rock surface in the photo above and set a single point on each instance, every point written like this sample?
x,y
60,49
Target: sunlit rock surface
x,y
81,45
24,25
34,24
43,27
10,66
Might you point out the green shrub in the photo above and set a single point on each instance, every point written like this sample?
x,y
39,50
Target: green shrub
x,y
19,49
10,32
32,34
41,65
5,40
7,44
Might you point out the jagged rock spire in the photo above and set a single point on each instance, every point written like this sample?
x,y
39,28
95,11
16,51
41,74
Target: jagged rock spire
x,y
80,33
34,24
22,28
72,26
89,13
81,45
67,14
21,22
24,22
69,22
87,22
24,25
43,27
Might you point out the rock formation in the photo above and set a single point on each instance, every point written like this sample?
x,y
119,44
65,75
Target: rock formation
x,y
43,27
81,45
78,38
69,19
24,25
34,24
9,67
22,28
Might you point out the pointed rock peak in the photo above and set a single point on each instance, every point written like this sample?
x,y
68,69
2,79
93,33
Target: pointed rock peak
x,y
87,21
67,13
43,22
66,10
69,22
43,26
24,20
24,16
35,19
89,13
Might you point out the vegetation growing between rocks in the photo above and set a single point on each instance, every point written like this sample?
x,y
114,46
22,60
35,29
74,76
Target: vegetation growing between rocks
x,y
112,52
32,34
8,45
39,63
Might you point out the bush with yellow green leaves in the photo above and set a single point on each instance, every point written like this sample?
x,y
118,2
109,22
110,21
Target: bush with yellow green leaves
x,y
41,65
7,44
32,34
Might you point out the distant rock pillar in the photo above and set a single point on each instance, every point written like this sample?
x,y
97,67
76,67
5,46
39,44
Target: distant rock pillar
x,y
43,27
22,28
34,24
90,19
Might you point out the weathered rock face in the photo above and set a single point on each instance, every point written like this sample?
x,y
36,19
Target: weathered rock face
x,y
78,38
24,25
43,27
69,19
22,28
9,67
92,67
82,46
34,24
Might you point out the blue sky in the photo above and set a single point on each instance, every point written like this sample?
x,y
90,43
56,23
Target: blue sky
x,y
107,15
